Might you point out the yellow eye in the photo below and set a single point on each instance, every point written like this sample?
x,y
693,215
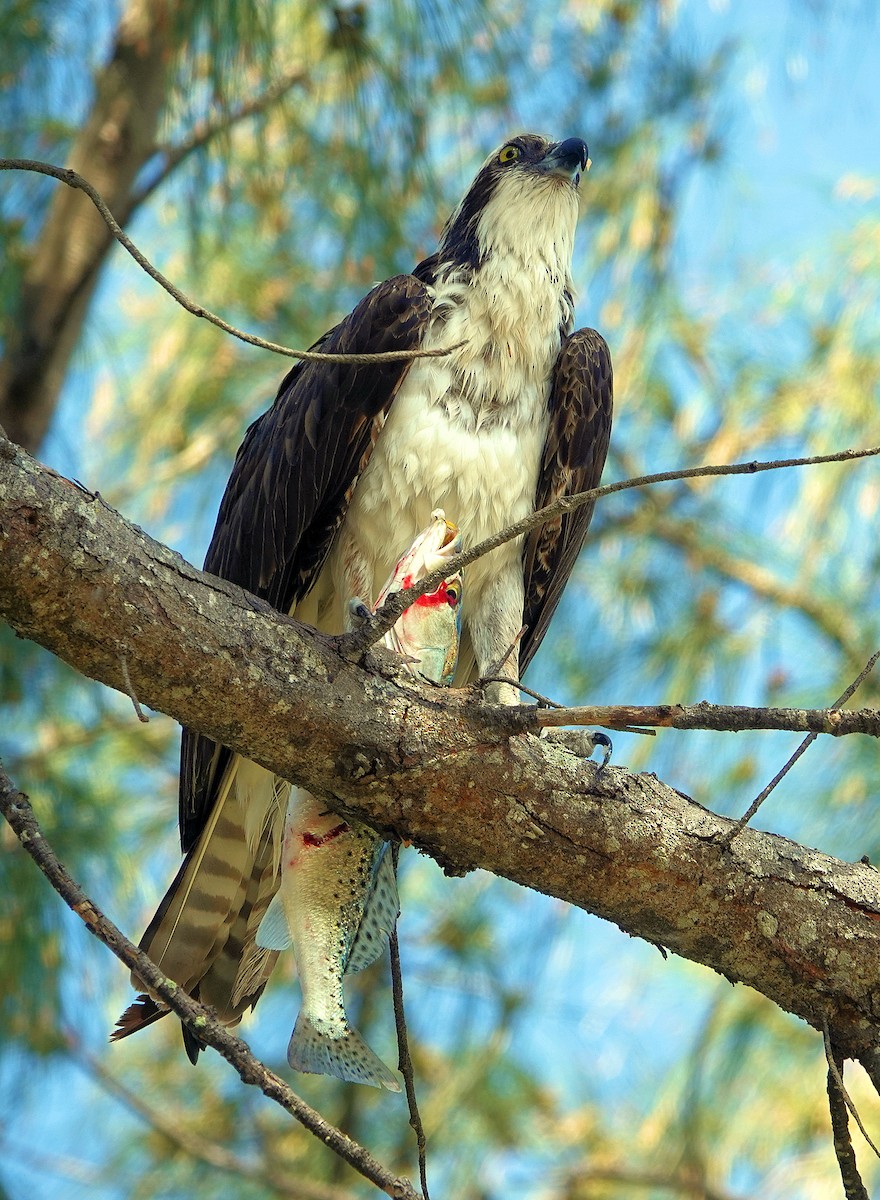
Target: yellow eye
x,y
509,154
453,594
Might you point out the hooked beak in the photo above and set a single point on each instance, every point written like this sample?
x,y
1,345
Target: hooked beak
x,y
568,158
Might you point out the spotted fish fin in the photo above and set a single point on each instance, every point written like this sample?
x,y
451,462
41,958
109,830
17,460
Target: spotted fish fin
x,y
274,931
347,1057
380,913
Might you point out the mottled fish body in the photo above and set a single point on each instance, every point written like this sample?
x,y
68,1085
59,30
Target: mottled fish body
x,y
337,902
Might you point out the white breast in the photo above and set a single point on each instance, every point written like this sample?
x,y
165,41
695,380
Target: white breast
x,y
464,434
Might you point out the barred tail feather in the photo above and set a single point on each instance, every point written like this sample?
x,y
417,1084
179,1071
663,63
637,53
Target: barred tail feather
x,y
203,931
347,1057
140,1013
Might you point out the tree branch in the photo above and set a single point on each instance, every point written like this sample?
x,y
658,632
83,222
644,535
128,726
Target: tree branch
x,y
730,718
17,810
838,1104
801,927
74,180
387,615
842,699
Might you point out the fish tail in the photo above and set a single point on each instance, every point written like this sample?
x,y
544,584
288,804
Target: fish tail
x,y
347,1057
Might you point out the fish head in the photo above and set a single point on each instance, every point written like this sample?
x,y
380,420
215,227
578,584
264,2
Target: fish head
x,y
428,632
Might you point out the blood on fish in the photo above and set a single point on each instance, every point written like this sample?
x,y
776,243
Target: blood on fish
x,y
434,599
321,839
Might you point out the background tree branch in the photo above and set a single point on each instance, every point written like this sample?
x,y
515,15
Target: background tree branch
x,y
113,145
206,131
433,766
77,182
18,812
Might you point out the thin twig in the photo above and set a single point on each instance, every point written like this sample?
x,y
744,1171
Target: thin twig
x,y
543,701
404,1060
492,675
802,748
836,1067
75,180
126,679
838,1102
17,810
354,644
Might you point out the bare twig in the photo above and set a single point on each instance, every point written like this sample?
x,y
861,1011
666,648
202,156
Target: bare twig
x,y
126,678
543,701
492,675
354,644
726,718
838,1102
802,748
835,1066
17,810
404,1059
75,180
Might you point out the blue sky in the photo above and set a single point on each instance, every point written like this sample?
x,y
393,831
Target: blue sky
x,y
803,155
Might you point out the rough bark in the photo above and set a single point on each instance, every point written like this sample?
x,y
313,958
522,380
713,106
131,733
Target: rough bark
x,y
467,783
116,141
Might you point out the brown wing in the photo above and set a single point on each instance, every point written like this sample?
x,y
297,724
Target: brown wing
x,y
574,455
293,475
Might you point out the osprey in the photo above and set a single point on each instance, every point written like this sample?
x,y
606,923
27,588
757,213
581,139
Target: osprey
x,y
338,477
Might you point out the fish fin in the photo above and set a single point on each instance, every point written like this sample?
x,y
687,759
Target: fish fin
x,y
274,931
347,1057
380,913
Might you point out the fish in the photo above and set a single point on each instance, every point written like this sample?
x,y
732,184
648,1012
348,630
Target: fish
x,y
337,901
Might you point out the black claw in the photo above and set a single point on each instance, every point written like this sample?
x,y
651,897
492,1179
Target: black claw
x,y
359,611
602,739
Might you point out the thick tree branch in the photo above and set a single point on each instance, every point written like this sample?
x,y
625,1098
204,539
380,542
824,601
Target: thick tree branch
x,y
838,1106
801,927
18,812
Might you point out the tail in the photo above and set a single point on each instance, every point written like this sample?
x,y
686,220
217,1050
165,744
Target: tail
x,y
347,1057
202,935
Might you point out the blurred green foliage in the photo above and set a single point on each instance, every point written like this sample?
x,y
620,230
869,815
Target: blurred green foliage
x,y
754,591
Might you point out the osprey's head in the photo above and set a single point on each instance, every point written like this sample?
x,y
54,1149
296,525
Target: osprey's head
x,y
525,194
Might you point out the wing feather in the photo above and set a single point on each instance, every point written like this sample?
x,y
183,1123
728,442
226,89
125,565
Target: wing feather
x,y
292,479
574,455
